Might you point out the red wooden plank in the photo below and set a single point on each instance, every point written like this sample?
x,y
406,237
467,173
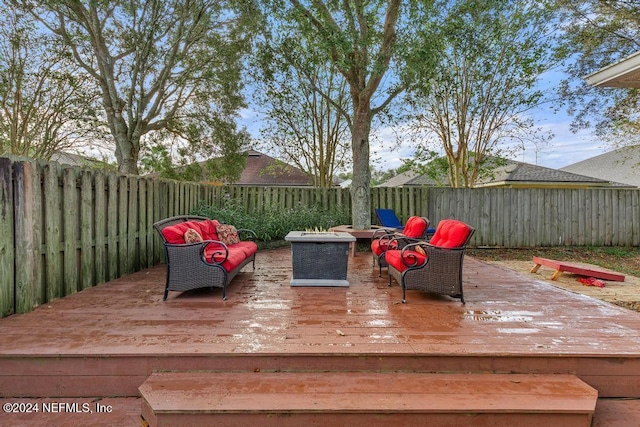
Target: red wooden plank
x,y
577,269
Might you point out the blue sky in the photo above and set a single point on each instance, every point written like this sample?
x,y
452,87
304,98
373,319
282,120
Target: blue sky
x,y
564,149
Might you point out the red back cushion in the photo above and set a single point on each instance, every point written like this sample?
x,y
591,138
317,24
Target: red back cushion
x,y
175,234
208,229
415,227
450,234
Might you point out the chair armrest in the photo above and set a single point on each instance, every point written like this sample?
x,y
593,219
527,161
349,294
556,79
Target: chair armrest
x,y
382,232
457,248
196,251
408,257
221,250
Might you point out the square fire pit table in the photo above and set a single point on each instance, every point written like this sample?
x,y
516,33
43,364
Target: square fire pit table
x,y
319,258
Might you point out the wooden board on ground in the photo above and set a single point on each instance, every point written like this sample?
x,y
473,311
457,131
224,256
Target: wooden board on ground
x,y
564,266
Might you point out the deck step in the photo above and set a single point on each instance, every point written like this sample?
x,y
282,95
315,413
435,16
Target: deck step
x,y
365,399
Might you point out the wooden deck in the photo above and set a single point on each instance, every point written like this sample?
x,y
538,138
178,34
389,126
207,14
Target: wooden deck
x,y
101,344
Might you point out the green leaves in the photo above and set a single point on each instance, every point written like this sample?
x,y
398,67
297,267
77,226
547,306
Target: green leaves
x,y
273,223
167,67
479,93
595,34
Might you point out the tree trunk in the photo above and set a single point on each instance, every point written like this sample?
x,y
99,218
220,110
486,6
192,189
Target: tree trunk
x,y
361,180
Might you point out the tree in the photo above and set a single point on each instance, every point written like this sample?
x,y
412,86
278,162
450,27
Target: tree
x,y
301,126
44,105
161,66
363,41
492,56
597,33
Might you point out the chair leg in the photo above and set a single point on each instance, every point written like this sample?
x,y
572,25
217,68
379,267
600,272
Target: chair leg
x,y
404,299
166,289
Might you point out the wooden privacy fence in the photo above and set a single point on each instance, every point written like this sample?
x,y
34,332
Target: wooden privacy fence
x,y
64,229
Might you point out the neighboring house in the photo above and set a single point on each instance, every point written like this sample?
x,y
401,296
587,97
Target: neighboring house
x,y
624,73
263,170
621,165
516,175
409,179
525,175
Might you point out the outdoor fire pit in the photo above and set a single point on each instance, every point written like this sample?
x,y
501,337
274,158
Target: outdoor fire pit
x,y
319,258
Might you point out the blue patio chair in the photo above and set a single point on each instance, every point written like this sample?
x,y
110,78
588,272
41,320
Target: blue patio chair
x,y
388,218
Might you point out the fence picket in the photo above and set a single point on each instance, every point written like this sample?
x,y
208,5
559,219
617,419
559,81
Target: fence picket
x,y
100,212
70,226
112,227
53,230
87,224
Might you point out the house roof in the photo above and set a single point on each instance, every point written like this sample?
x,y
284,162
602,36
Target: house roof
x,y
408,178
624,73
265,170
517,174
525,174
621,165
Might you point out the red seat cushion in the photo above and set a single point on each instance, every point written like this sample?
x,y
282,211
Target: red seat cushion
x,y
450,234
249,248
235,257
415,227
411,258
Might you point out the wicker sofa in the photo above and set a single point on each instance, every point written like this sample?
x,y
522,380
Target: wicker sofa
x,y
203,253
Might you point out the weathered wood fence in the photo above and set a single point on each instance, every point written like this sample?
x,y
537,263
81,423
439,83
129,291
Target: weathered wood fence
x,y
64,229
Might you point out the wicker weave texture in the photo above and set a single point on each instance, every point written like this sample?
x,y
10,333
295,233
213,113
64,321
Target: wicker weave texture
x,y
320,260
442,274
187,271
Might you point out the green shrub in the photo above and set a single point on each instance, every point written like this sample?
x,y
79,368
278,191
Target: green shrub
x,y
274,224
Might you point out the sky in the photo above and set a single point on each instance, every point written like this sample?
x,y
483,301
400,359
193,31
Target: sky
x,y
564,149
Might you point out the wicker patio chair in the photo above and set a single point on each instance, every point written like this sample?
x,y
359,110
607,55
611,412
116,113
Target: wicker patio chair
x,y
416,230
434,266
205,264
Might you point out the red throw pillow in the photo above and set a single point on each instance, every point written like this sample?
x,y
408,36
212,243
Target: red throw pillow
x,y
419,249
192,236
228,234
